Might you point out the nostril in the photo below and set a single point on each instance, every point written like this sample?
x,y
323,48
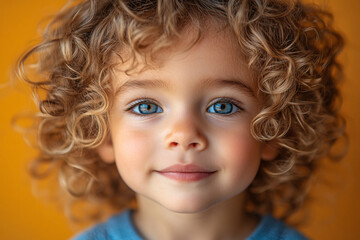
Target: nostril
x,y
193,145
173,144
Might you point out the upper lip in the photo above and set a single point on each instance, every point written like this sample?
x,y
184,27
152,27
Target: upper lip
x,y
189,168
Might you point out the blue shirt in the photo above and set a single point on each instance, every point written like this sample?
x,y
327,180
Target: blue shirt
x,y
121,227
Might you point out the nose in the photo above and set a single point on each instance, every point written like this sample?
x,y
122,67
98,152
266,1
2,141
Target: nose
x,y
184,134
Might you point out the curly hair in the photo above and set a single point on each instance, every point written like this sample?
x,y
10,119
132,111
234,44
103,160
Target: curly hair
x,y
290,46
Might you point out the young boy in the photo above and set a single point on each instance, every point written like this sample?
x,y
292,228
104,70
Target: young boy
x,y
214,113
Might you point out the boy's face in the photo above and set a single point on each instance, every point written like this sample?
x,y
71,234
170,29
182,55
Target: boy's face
x,y
181,132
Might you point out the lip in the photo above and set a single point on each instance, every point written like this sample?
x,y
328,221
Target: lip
x,y
186,173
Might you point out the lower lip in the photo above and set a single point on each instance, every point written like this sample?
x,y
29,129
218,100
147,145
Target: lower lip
x,y
186,176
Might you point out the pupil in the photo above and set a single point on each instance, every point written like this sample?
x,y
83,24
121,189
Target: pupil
x,y
223,108
145,108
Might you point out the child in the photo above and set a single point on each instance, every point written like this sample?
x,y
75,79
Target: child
x,y
214,114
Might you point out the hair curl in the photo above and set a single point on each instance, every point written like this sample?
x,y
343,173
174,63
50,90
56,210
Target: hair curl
x,y
291,46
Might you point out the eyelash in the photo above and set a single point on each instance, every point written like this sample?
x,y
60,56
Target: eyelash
x,y
140,101
227,100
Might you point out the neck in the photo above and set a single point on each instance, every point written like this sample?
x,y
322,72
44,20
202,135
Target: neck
x,y
226,220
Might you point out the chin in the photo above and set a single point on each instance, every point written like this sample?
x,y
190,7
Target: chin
x,y
188,206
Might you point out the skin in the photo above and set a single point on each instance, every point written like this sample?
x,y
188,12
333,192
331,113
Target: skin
x,y
183,131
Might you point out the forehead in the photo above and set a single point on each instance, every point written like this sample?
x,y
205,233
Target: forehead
x,y
215,31
215,55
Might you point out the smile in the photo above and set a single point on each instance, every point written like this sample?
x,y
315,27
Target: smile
x,y
186,173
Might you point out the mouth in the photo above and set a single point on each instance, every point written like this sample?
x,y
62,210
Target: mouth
x,y
186,173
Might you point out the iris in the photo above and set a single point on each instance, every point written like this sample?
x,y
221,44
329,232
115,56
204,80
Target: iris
x,y
147,108
221,108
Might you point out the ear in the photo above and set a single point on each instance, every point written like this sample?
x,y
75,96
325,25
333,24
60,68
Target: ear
x,y
270,151
106,150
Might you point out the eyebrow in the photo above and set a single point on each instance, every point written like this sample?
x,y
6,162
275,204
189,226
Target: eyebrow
x,y
232,83
139,84
208,83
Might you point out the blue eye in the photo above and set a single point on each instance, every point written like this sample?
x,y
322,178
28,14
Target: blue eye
x,y
223,108
147,108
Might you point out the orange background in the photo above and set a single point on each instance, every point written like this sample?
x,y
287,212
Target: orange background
x,y
335,213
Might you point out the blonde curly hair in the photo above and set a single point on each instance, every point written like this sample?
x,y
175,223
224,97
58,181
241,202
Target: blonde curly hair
x,y
291,47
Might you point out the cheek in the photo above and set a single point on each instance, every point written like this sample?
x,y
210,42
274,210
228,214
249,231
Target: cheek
x,y
131,145
241,155
240,144
133,149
